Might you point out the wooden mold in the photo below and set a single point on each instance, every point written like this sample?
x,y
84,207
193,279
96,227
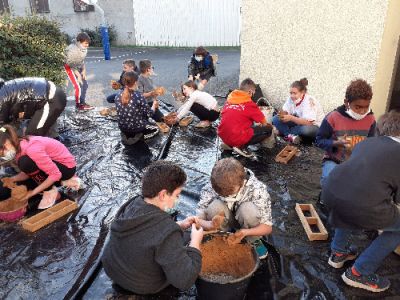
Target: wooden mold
x,y
311,222
164,128
185,121
49,215
286,154
104,112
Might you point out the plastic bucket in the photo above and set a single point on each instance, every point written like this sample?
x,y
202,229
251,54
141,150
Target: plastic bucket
x,y
232,290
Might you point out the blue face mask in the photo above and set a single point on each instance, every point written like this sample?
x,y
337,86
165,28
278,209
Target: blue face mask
x,y
171,210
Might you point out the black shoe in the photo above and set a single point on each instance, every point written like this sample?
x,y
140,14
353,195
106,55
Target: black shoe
x,y
337,260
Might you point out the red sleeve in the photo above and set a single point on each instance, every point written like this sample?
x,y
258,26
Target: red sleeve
x,y
255,113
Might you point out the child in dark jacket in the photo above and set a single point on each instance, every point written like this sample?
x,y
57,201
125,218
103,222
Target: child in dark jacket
x,y
127,66
133,112
362,193
201,67
146,251
238,117
346,126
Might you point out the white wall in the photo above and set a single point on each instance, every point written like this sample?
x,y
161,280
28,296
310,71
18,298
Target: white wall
x,y
187,22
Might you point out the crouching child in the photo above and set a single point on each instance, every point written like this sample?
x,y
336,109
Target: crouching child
x,y
243,200
146,252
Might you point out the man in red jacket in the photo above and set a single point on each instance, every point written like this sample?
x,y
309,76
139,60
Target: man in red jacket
x,y
242,122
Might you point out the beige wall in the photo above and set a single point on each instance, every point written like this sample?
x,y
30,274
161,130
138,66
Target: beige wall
x,y
117,12
329,42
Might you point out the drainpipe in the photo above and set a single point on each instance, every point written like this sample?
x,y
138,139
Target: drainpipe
x,y
105,39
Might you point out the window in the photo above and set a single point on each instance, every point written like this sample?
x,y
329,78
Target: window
x,y
40,6
80,6
4,8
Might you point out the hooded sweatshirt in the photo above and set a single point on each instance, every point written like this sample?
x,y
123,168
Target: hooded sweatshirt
x,y
237,116
145,252
75,56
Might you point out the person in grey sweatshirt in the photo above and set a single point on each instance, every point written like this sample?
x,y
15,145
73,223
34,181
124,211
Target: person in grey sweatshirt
x,y
146,253
75,68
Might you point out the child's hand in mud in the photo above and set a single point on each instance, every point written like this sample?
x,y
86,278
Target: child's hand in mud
x,y
236,238
218,220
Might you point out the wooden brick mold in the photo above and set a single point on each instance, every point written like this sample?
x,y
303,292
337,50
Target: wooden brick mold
x,y
49,215
286,154
185,121
164,128
311,222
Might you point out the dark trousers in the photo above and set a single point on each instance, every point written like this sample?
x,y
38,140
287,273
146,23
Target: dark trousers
x,y
203,113
111,98
260,134
37,176
158,115
46,119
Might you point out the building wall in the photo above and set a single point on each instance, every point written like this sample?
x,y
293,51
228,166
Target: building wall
x,y
120,15
329,42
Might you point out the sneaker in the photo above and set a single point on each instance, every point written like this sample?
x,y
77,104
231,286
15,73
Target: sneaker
x,y
84,107
294,139
225,147
49,198
151,131
74,183
261,250
372,283
243,152
337,259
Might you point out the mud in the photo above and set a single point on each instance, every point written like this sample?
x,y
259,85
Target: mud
x,y
222,259
14,202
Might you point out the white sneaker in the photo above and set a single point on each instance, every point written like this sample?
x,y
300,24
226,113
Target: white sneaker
x,y
225,147
294,139
74,183
243,152
49,198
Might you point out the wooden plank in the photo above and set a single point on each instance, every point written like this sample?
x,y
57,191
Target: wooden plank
x,y
185,121
286,154
49,215
314,219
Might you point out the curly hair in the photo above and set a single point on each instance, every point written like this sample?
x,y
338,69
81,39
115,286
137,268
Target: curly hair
x,y
162,175
226,175
389,124
358,89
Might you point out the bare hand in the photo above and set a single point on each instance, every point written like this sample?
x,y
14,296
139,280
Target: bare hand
x,y
236,238
342,142
218,220
8,182
286,118
197,234
186,223
115,85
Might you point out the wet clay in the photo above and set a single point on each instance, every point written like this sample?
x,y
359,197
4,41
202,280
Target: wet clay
x,y
220,258
14,203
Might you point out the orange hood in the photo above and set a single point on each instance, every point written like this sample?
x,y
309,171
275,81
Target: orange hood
x,y
239,97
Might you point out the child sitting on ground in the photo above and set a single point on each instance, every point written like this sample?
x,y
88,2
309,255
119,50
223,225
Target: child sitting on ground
x,y
242,198
202,104
133,112
146,86
146,253
345,126
301,115
237,129
362,193
127,66
75,67
201,67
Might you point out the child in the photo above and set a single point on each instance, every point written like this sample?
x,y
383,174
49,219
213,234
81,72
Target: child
x,y
242,198
145,253
76,69
363,194
202,104
201,67
146,86
35,99
343,127
44,160
238,116
133,112
127,66
301,114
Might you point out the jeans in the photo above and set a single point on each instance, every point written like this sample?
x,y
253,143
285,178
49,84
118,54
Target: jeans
x,y
305,131
327,167
371,258
111,98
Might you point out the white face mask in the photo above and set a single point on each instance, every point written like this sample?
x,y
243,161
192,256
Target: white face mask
x,y
198,58
9,154
355,115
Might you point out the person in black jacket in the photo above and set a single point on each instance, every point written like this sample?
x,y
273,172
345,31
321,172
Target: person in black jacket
x,y
146,253
128,65
35,99
201,67
363,193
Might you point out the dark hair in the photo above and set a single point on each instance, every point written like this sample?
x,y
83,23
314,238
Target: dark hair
x,y
358,89
389,124
144,65
301,85
7,132
200,51
1,82
130,62
83,37
247,84
162,175
226,175
129,79
190,84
